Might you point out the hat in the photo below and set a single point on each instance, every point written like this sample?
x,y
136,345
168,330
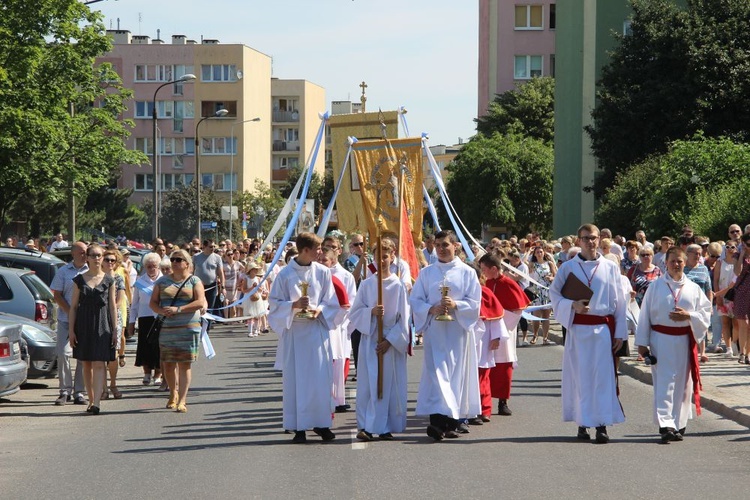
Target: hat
x,y
557,245
251,265
31,243
125,251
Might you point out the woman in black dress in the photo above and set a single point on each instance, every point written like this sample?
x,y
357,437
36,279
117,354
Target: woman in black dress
x,y
93,329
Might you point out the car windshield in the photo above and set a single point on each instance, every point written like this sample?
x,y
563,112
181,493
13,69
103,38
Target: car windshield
x,y
38,289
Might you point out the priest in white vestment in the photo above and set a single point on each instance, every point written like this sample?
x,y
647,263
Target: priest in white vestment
x,y
596,329
307,375
386,415
449,386
675,315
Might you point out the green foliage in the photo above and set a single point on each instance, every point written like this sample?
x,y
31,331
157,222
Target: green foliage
x,y
664,192
528,110
179,214
59,114
109,208
714,211
262,200
320,190
681,71
503,178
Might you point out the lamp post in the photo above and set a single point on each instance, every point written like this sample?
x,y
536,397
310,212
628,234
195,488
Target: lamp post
x,y
218,114
184,79
231,172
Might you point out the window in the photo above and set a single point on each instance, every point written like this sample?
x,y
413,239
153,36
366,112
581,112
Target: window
x,y
552,65
627,28
144,109
527,67
218,146
154,72
286,162
164,109
178,161
209,108
175,181
180,70
552,16
144,144
218,73
529,17
144,182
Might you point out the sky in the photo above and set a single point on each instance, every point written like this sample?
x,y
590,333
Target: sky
x,y
420,54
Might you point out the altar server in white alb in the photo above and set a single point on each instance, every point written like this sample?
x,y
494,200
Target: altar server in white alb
x,y
387,415
674,318
596,330
307,378
449,386
341,345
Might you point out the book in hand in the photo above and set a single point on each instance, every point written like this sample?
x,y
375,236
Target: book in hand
x,y
575,289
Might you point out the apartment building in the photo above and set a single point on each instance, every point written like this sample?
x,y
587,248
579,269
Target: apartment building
x,y
516,43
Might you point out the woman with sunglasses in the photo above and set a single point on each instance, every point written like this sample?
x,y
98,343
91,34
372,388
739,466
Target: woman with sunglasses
x,y
93,324
180,299
111,266
724,280
642,274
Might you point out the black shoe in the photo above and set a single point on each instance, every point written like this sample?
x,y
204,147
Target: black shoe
x,y
387,436
583,433
451,434
341,409
601,435
363,435
476,421
669,435
95,410
435,433
485,418
299,437
325,433
502,408
79,400
682,431
463,428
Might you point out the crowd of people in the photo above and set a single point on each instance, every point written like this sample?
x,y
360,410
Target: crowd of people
x,y
326,306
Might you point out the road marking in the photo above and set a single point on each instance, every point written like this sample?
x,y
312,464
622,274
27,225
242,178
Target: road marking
x,y
356,443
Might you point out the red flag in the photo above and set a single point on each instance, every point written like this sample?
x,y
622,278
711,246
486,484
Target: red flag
x,y
406,250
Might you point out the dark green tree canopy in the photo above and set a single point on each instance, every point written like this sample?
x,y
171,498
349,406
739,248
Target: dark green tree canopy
x,y
528,110
505,179
60,115
680,71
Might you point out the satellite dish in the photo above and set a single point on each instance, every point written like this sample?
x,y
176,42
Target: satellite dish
x,y
239,74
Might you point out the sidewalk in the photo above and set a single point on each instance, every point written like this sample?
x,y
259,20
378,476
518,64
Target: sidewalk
x,y
726,383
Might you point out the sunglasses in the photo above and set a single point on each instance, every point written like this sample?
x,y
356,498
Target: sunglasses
x,y
731,247
735,231
176,259
646,255
110,260
714,256
360,244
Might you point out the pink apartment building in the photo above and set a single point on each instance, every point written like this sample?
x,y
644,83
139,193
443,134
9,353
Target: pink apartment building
x,y
516,43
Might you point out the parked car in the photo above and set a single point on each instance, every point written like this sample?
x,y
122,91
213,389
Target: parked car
x,y
13,368
135,256
41,346
45,265
22,293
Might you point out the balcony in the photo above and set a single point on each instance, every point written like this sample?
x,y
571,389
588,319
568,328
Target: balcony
x,y
280,175
286,116
285,146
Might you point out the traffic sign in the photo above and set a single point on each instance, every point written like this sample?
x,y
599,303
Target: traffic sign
x,y
208,224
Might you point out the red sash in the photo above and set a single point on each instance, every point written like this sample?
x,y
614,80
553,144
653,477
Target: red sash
x,y
609,320
695,369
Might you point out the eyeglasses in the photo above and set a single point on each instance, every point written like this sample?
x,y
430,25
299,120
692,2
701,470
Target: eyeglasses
x,y
735,231
110,260
731,247
359,244
645,255
94,255
243,253
714,256
176,259
589,238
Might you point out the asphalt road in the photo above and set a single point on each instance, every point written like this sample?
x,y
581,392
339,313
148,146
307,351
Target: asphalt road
x,y
231,444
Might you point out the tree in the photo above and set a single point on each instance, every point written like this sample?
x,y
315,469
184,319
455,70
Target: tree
x,y
666,191
679,72
179,214
503,178
320,190
528,110
60,115
263,201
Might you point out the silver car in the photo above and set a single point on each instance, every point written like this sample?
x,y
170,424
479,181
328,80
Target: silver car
x,y
12,367
22,293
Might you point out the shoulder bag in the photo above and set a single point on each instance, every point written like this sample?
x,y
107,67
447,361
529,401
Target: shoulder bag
x,y
153,334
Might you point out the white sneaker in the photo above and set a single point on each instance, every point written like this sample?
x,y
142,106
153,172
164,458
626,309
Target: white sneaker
x,y
157,380
729,353
147,379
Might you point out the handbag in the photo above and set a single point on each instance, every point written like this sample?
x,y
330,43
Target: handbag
x,y
730,293
153,334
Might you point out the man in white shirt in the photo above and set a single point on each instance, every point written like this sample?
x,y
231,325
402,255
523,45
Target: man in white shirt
x,y
58,243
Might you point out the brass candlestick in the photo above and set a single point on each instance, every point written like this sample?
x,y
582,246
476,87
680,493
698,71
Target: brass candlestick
x,y
444,289
304,313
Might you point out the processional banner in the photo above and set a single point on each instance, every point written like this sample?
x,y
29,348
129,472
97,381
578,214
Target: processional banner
x,y
381,166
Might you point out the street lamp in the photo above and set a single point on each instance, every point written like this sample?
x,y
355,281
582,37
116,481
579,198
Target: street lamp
x,y
220,113
183,79
231,172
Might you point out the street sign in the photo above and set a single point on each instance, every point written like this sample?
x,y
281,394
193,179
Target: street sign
x,y
208,224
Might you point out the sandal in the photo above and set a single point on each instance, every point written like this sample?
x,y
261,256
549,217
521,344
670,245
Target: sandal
x,y
533,340
704,358
181,408
548,342
105,394
122,360
116,393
